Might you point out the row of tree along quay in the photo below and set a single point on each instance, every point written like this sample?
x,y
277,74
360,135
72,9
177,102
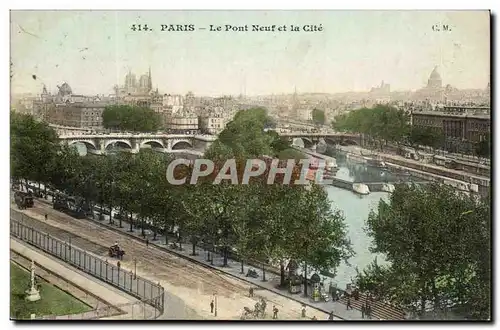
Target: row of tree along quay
x,y
437,243
384,125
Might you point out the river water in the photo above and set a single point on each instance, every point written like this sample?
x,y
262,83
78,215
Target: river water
x,y
355,208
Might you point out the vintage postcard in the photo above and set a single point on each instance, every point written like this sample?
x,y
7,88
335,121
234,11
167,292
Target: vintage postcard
x,y
250,165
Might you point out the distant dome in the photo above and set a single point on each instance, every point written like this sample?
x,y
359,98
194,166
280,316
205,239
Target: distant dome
x,y
65,89
435,75
434,81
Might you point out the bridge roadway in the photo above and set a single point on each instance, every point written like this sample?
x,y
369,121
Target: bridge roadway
x,y
201,137
190,287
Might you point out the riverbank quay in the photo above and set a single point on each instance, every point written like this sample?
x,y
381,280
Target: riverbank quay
x,y
272,274
160,240
425,171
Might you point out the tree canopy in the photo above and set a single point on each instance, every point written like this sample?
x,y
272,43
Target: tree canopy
x,y
438,255
131,118
381,125
318,117
33,146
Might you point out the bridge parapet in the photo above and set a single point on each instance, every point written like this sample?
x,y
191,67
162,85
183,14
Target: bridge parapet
x,y
99,143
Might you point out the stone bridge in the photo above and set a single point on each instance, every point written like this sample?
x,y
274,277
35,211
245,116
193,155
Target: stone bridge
x,y
102,143
311,139
99,143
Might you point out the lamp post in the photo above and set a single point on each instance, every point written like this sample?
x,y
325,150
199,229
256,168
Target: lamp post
x,y
135,268
219,233
215,300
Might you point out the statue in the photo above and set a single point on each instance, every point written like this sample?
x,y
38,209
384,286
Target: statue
x,y
32,294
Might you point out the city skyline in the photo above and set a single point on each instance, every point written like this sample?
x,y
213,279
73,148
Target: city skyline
x,y
94,50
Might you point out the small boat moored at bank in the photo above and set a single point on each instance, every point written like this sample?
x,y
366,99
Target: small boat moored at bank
x,y
360,188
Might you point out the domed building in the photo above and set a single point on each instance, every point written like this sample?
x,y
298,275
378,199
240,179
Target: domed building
x,y
433,90
435,81
64,90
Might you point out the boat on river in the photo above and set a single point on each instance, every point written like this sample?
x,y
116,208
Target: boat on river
x,y
360,188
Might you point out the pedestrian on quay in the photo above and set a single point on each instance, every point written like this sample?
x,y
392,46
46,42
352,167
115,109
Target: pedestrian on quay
x,y
363,311
212,306
330,316
147,242
303,310
118,264
369,311
46,216
250,292
349,303
275,312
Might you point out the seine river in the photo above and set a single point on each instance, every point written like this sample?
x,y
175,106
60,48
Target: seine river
x,y
356,209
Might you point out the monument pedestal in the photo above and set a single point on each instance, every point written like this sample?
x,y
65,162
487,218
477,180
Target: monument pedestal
x,y
33,294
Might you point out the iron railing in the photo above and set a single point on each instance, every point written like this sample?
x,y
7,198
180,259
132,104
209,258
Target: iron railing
x,y
148,292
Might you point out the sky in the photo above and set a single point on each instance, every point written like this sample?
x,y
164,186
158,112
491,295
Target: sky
x,y
355,50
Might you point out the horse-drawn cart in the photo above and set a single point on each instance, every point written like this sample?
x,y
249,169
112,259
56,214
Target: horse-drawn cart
x,y
116,252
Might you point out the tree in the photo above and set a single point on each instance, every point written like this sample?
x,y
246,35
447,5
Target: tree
x,y
435,253
380,124
425,136
130,118
483,148
34,145
318,117
278,143
319,236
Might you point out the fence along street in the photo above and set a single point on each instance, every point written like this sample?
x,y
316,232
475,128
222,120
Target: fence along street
x,y
145,290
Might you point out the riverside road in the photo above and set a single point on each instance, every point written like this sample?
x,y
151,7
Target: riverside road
x,y
189,287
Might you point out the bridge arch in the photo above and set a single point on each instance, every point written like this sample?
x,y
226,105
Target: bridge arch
x,y
88,143
118,143
332,141
349,142
181,145
303,142
153,143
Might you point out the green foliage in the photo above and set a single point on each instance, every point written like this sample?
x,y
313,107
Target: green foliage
x,y
33,145
425,136
53,302
382,123
291,154
483,148
263,222
277,219
318,117
436,252
130,118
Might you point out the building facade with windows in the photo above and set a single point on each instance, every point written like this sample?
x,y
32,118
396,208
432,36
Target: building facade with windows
x,y
87,115
462,127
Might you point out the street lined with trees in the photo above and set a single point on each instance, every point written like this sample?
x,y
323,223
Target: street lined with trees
x,y
257,221
437,242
